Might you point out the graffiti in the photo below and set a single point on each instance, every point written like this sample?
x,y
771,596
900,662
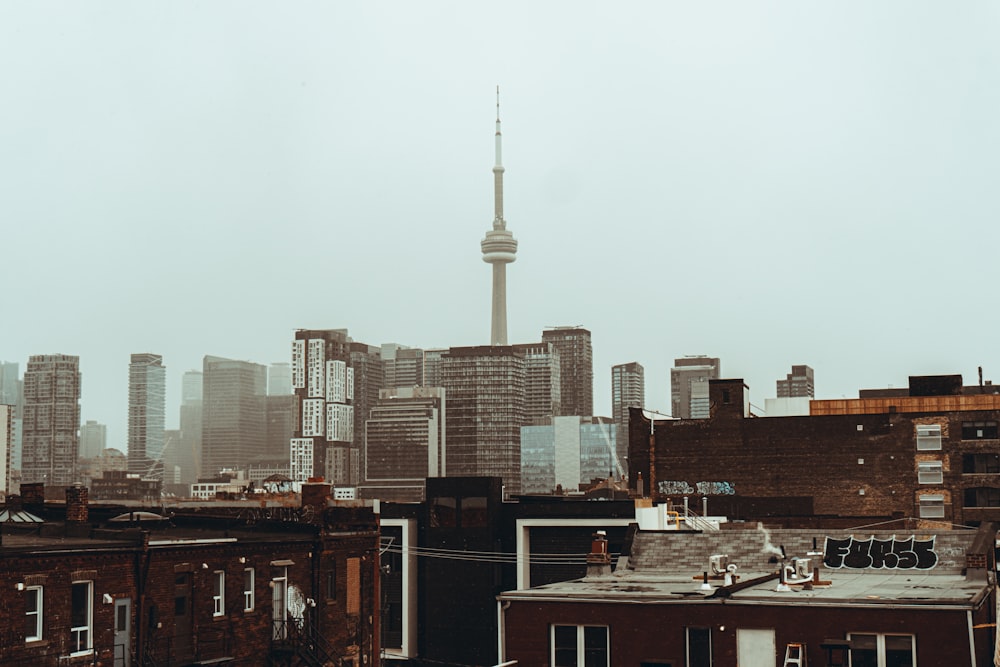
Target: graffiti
x,y
675,488
716,489
678,488
872,553
254,515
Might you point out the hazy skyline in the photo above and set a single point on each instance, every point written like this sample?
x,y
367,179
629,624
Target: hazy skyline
x,y
770,183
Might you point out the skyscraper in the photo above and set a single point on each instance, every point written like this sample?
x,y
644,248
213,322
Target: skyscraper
x,y
279,379
485,393
797,384
93,439
404,366
499,248
233,415
405,442
689,386
187,448
542,381
51,419
566,452
6,445
12,393
576,362
628,389
147,396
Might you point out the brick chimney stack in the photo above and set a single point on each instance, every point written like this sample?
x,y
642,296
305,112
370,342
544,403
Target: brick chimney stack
x,y
598,560
77,503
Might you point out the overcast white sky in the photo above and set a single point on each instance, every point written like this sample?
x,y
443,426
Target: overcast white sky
x,y
767,182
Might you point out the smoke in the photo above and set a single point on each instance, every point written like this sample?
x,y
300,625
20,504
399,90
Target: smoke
x,y
768,547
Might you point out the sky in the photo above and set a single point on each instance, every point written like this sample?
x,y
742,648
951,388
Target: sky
x,y
771,183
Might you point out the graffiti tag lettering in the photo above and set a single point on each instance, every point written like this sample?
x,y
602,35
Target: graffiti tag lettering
x,y
872,553
675,488
680,488
716,489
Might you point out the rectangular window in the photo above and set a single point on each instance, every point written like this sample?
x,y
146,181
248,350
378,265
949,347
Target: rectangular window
x,y
248,583
579,646
979,431
218,593
882,650
932,506
982,497
331,581
928,437
699,647
980,463
33,614
81,617
930,472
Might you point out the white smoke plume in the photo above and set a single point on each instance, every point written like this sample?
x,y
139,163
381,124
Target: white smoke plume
x,y
769,548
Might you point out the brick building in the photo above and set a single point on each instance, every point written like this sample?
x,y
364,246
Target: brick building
x,y
730,597
931,452
243,586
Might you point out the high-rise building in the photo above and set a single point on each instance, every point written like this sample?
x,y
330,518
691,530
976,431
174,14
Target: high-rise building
x,y
324,382
628,390
797,384
576,360
499,248
51,419
689,386
12,393
485,390
279,379
93,439
432,367
567,452
147,401
405,442
6,445
369,379
542,381
187,449
233,416
404,366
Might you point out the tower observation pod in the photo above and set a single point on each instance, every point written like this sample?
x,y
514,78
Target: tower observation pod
x,y
499,248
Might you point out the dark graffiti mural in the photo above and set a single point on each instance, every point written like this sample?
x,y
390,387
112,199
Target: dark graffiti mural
x,y
891,554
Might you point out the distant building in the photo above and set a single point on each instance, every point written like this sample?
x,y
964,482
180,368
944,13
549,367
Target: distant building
x,y
576,364
51,419
121,485
567,453
12,393
187,450
485,391
279,379
6,445
281,412
432,367
93,439
405,442
233,418
542,381
404,366
797,384
170,460
689,385
147,396
628,390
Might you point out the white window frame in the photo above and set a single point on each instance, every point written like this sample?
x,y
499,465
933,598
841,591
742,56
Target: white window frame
x,y
580,645
219,593
934,507
928,437
880,645
249,579
82,636
39,594
930,472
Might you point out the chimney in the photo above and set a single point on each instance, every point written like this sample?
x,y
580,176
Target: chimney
x,y
77,505
33,497
316,495
598,560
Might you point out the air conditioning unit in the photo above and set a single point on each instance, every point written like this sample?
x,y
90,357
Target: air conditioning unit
x,y
717,563
803,567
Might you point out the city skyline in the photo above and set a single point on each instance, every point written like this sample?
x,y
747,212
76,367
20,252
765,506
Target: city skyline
x,y
764,189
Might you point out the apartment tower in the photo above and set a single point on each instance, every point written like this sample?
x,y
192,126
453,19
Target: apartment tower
x,y
689,386
50,443
576,360
147,401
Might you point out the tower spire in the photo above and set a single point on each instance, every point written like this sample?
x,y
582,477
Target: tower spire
x,y
499,247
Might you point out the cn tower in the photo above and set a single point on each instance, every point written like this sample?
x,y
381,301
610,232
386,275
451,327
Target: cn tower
x,y
499,248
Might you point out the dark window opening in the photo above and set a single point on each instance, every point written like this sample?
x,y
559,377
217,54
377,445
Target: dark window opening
x,y
982,496
980,463
443,514
726,396
985,430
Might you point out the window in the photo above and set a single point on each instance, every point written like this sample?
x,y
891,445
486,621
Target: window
x,y
443,512
81,617
930,472
331,581
248,581
218,593
932,506
33,614
698,644
579,646
881,650
979,431
928,437
980,463
982,497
